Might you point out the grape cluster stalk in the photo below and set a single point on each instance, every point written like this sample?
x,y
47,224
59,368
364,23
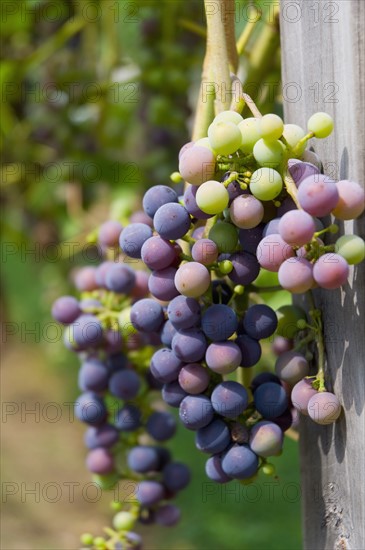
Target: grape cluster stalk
x,y
191,319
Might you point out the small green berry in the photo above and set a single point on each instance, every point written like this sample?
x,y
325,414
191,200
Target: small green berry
x,y
225,267
301,324
123,521
268,469
239,289
87,539
176,177
99,542
116,506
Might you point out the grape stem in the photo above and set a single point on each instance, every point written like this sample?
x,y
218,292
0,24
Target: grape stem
x,y
291,188
317,320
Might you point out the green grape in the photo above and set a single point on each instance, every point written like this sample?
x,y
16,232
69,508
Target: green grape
x,y
225,236
125,324
225,267
293,134
266,184
228,116
288,317
268,153
352,248
272,127
321,124
123,521
266,278
106,482
224,137
268,469
212,197
204,142
250,130
87,539
99,542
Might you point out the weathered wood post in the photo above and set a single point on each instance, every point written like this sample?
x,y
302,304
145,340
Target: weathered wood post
x,y
323,70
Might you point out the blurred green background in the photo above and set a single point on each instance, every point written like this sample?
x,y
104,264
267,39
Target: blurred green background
x,y
97,99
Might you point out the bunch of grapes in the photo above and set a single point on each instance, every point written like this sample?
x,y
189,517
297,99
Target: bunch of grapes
x,y
255,207
126,426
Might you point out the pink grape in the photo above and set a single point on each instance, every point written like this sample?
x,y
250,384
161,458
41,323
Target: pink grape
x,y
281,345
318,195
297,227
192,279
197,165
351,202
301,394
266,438
205,251
272,251
324,408
299,170
246,211
330,271
296,275
291,367
223,357
193,378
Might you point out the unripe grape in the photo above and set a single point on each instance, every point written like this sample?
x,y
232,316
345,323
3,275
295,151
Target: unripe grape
x,y
291,367
351,200
123,521
224,137
250,131
324,408
212,197
246,211
321,124
293,134
272,127
204,142
352,248
266,184
225,236
228,116
268,153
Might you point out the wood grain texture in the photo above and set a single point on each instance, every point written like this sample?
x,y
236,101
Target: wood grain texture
x,y
323,63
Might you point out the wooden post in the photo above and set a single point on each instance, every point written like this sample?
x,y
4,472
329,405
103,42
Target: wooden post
x,y
323,70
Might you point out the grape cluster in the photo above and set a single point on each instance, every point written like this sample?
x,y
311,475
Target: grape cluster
x,y
255,208
118,404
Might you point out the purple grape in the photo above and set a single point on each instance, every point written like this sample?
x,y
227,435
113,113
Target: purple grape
x,y
116,362
197,164
194,378
183,312
223,357
266,439
271,228
299,170
250,238
214,470
157,196
176,476
250,350
125,384
109,233
246,212
240,462
297,227
189,345
143,459
167,333
157,253
100,461
229,399
168,515
192,279
291,367
330,271
196,411
245,268
141,217
198,233
113,341
318,195
85,279
219,322
173,394
161,284
87,331
205,251
101,273
262,378
93,376
270,400
90,408
272,251
104,436
172,221
301,394
90,304
296,275
286,206
149,492
120,278
147,315
324,408
213,438
161,426
66,310
128,418
165,365
260,321
281,345
285,420
133,237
